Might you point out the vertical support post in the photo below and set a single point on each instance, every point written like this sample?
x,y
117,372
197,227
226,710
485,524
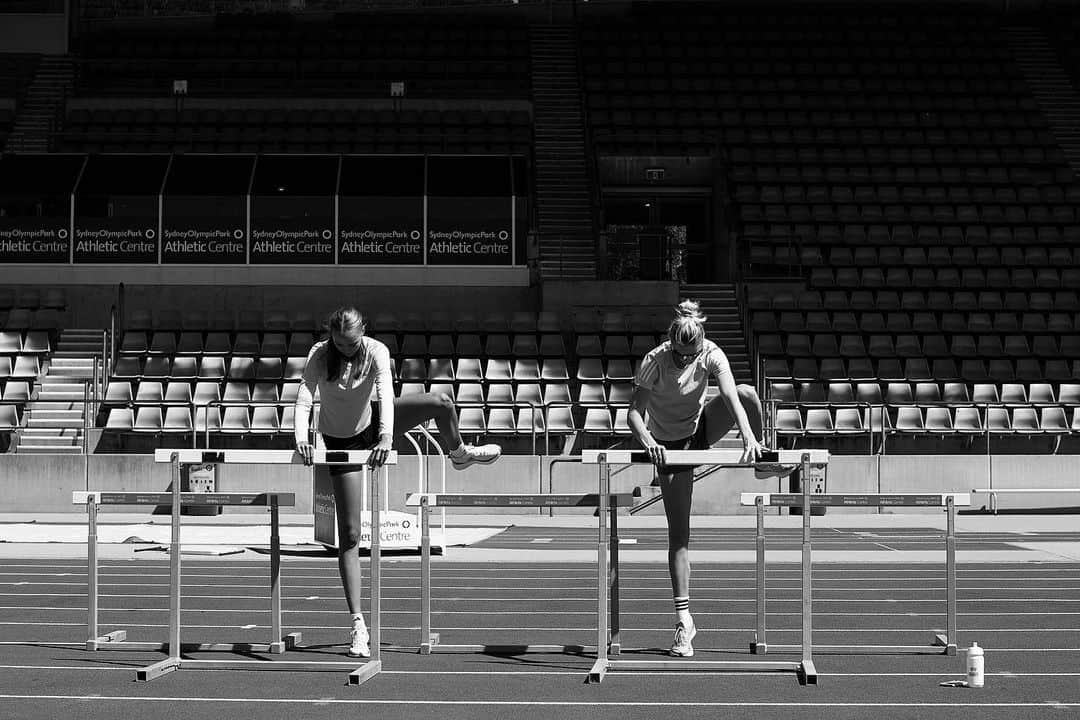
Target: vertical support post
x,y
425,575
91,573
613,544
376,558
275,574
950,575
602,561
760,646
174,564
808,671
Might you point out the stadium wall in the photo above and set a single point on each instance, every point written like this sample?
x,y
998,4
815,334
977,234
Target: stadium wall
x,y
44,483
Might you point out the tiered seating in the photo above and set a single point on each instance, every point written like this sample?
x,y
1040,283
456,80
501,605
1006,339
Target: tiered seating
x,y
518,376
271,56
16,73
28,322
310,130
1063,28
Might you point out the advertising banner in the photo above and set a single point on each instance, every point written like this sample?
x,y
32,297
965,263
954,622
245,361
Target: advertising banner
x,y
199,231
35,207
292,209
117,209
381,210
470,211
34,240
204,210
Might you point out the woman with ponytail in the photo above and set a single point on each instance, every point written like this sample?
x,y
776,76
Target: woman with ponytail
x,y
358,411
668,411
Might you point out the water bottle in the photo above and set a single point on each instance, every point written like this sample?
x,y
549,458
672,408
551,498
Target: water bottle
x,y
975,676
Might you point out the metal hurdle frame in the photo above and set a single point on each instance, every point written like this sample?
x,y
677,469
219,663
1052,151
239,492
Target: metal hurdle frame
x,y
117,639
604,459
175,661
994,492
941,644
430,641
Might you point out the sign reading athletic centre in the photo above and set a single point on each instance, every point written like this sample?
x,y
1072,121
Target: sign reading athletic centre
x,y
381,231
115,240
292,241
203,241
34,240
470,231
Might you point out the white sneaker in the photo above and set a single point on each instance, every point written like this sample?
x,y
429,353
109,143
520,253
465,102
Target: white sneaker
x,y
683,635
473,454
358,641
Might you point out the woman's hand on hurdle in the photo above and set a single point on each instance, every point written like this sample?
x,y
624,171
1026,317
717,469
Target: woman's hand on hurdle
x,y
306,451
381,451
752,450
656,454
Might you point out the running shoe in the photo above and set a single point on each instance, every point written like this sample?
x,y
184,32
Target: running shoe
x,y
358,641
766,470
683,635
475,454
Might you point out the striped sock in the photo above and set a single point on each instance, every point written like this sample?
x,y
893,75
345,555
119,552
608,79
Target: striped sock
x,y
682,610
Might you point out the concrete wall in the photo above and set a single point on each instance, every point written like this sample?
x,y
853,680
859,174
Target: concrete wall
x,y
44,33
44,483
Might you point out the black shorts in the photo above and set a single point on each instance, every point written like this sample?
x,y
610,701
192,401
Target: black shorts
x,y
697,441
366,439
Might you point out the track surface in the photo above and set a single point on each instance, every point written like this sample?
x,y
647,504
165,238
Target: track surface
x,y
1026,614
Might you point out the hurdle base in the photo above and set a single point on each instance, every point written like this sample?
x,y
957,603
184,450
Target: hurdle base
x,y
116,636
365,672
943,642
432,641
870,649
152,672
509,649
614,648
759,648
804,671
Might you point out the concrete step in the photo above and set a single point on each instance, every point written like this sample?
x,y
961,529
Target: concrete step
x,y
48,450
44,412
56,424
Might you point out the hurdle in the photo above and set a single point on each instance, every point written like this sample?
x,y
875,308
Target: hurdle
x,y
430,641
176,661
604,459
994,492
117,639
940,644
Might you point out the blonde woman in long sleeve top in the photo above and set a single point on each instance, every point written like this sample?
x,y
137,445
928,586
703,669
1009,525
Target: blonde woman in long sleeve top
x,y
352,375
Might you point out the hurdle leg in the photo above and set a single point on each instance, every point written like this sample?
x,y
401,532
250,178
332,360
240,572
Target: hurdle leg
x,y
807,672
427,638
374,665
760,646
166,666
615,645
950,580
91,575
599,668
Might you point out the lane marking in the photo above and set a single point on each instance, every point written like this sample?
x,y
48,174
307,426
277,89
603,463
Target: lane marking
x,y
540,540
545,703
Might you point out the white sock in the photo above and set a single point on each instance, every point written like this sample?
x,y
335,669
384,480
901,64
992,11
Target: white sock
x,y
682,610
359,618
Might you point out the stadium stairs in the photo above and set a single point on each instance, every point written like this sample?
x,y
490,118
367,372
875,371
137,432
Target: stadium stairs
x,y
54,418
1050,86
44,101
567,244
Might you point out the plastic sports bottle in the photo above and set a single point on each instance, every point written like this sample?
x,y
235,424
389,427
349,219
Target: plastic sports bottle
x,y
975,676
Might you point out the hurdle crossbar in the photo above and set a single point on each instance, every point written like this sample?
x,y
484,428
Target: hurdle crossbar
x,y
175,661
608,642
940,644
430,642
